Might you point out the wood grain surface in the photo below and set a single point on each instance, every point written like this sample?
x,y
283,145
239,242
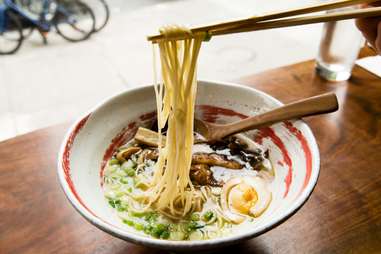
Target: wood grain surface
x,y
343,215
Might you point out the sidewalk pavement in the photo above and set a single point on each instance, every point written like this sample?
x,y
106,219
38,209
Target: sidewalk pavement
x,y
45,85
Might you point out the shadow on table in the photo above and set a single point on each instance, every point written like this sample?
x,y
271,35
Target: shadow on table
x,y
249,247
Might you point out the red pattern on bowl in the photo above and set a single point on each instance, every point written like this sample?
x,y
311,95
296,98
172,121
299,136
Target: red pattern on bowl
x,y
94,138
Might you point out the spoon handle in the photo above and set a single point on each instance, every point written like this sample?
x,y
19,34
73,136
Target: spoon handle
x,y
316,105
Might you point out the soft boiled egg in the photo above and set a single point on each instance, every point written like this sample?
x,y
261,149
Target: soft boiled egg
x,y
245,196
242,198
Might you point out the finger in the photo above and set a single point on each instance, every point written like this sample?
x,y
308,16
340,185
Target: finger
x,y
377,3
368,27
374,4
377,42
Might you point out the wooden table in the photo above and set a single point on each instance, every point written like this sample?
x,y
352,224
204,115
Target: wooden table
x,y
343,214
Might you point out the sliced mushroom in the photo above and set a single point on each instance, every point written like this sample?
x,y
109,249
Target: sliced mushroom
x,y
126,153
148,137
152,154
215,160
201,158
201,174
247,143
142,156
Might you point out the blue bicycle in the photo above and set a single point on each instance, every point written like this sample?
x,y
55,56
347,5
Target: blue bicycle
x,y
72,19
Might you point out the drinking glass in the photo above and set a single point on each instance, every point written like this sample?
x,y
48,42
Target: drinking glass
x,y
339,47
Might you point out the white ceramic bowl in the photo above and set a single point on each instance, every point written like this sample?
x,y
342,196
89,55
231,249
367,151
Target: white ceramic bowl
x,y
93,138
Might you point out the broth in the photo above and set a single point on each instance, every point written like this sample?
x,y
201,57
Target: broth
x,y
231,180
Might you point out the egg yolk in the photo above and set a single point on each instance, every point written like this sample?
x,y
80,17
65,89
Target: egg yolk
x,y
243,197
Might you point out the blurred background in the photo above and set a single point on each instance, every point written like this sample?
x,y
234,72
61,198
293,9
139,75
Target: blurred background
x,y
42,85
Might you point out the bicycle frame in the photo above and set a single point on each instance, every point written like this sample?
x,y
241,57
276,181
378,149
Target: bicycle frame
x,y
42,23
19,19
62,10
45,26
3,18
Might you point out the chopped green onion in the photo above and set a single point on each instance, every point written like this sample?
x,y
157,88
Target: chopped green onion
x,y
177,235
165,234
112,169
195,217
128,165
121,173
207,37
196,235
123,180
121,208
147,229
130,172
137,214
208,216
117,203
111,203
155,233
113,161
129,222
150,217
139,226
159,229
110,194
192,226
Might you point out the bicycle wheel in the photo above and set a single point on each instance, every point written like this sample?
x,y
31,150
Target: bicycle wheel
x,y
30,7
101,11
74,20
11,38
27,32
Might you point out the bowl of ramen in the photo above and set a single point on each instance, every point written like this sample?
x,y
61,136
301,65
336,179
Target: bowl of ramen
x,y
133,173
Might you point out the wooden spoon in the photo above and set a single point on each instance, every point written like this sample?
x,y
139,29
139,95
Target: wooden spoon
x,y
316,105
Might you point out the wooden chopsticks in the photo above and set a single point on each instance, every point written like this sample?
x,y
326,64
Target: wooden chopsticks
x,y
360,13
285,18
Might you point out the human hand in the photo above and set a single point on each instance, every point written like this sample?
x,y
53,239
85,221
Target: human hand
x,y
371,29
